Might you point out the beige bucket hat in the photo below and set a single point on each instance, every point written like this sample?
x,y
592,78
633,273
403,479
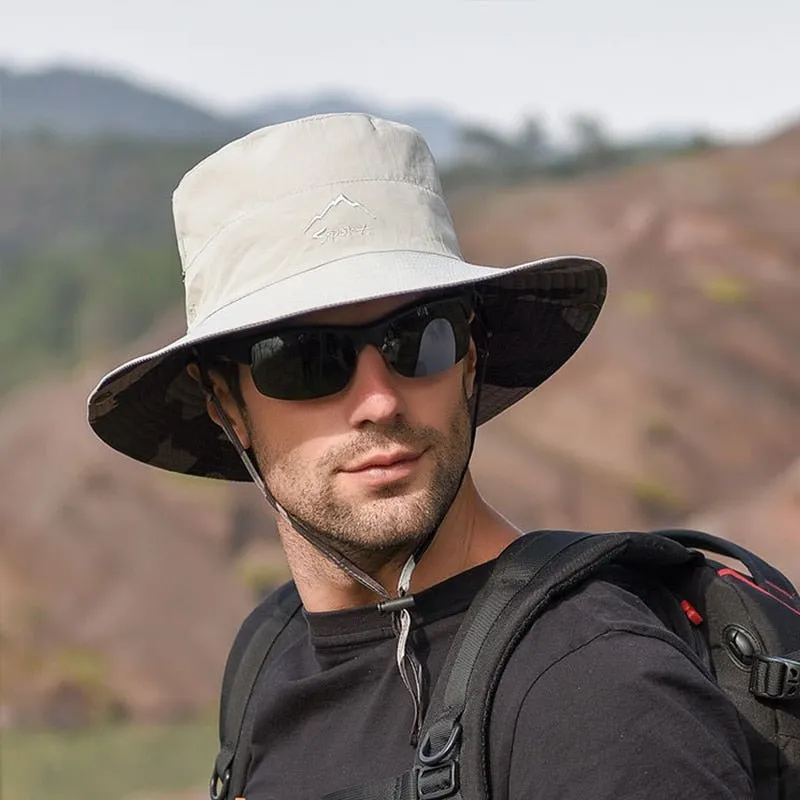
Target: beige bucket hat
x,y
315,213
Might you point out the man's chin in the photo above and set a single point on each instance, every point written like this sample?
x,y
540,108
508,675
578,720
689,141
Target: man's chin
x,y
403,493
390,506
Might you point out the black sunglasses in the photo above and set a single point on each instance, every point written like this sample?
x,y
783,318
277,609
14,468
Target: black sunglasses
x,y
316,361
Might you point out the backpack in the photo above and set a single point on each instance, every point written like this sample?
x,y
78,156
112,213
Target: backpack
x,y
747,628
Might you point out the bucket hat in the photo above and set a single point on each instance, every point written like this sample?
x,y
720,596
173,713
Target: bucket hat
x,y
316,213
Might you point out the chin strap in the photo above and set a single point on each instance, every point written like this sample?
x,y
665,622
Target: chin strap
x,y
407,662
308,533
399,607
416,556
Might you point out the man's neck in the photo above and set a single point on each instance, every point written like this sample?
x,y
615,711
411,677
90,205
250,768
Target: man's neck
x,y
471,533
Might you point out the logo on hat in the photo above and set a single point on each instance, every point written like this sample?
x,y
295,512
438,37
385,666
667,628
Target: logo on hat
x,y
326,232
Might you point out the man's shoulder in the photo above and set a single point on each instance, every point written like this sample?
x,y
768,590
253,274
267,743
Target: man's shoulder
x,y
599,699
598,610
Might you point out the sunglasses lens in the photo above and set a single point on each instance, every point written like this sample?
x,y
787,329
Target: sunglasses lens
x,y
437,348
302,366
428,341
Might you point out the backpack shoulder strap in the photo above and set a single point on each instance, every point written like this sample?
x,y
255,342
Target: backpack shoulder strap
x,y
531,573
251,649
535,571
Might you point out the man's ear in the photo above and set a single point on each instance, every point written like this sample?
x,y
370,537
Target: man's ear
x,y
226,400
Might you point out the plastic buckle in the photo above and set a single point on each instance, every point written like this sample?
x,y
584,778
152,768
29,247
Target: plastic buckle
x,y
218,788
775,678
437,777
437,782
432,759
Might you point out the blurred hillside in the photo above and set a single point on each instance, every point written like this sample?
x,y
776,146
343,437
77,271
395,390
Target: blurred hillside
x,y
87,261
86,258
123,586
77,103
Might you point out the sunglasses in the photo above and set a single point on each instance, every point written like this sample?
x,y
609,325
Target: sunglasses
x,y
317,361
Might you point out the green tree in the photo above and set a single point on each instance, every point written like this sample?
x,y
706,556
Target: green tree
x,y
593,146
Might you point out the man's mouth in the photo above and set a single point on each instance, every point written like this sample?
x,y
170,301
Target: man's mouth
x,y
384,460
382,468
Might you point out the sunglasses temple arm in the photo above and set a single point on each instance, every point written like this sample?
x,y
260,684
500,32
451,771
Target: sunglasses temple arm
x,y
343,563
225,424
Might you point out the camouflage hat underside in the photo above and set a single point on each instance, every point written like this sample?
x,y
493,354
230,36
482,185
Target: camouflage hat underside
x,y
155,412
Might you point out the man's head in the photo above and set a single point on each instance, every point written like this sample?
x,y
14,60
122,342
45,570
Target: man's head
x,y
316,220
373,465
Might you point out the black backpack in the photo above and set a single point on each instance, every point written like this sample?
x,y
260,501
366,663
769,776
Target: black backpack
x,y
747,628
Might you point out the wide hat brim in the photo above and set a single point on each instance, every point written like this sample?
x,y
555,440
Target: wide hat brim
x,y
539,314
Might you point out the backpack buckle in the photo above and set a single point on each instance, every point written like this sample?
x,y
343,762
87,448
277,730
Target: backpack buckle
x,y
218,788
775,678
431,759
437,777
437,781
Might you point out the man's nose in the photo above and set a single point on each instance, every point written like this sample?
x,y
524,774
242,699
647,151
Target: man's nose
x,y
373,394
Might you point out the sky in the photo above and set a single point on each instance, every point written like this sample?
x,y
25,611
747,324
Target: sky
x,y
728,66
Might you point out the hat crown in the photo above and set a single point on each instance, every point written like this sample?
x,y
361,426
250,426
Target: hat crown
x,y
292,197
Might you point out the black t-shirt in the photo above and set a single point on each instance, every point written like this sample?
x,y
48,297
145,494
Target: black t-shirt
x,y
600,700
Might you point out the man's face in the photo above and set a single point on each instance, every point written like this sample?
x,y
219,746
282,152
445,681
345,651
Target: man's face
x,y
375,467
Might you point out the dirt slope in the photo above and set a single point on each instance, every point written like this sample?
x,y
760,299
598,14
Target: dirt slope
x,y
120,588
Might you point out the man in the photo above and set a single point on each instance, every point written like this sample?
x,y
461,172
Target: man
x,y
340,353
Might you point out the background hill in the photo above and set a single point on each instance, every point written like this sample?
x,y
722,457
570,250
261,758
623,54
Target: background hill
x,y
80,103
75,103
86,257
123,586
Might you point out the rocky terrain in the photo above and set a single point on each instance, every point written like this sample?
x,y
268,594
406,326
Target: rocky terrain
x,y
122,586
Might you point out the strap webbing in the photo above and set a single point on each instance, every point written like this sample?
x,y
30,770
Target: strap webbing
x,y
776,678
249,654
399,788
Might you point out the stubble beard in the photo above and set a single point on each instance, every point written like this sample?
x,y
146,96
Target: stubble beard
x,y
389,526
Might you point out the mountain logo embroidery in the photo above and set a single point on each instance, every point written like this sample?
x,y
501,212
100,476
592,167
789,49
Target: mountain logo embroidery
x,y
328,232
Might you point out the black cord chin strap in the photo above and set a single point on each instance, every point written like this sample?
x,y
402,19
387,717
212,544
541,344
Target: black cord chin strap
x,y
407,662
483,355
312,536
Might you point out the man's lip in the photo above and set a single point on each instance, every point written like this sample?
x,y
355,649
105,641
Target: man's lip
x,y
384,460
